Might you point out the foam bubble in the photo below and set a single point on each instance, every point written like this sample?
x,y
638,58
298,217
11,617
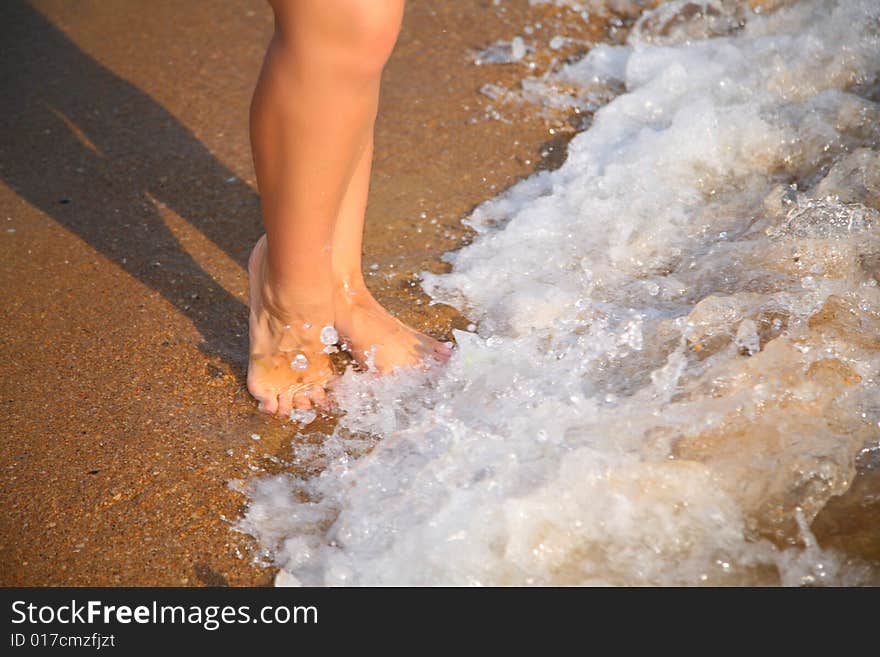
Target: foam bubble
x,y
329,336
303,416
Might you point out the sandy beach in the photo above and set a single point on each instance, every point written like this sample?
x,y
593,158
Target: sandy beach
x,y
129,207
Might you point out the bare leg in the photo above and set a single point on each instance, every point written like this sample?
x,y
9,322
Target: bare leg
x,y
311,121
363,322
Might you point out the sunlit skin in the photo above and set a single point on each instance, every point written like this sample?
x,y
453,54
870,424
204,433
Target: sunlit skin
x,y
312,119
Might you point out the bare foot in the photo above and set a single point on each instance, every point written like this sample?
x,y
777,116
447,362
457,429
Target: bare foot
x,y
366,327
288,368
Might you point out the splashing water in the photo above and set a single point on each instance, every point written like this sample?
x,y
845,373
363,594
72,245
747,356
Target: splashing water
x,y
679,337
303,416
502,52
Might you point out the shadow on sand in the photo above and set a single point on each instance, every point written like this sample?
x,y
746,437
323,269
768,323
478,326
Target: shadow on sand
x,y
93,152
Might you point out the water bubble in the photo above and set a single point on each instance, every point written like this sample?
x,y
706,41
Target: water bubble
x,y
632,335
329,336
300,362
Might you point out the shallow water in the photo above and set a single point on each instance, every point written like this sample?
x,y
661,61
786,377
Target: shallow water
x,y
677,349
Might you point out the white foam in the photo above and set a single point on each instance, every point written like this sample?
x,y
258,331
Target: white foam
x,y
676,359
303,416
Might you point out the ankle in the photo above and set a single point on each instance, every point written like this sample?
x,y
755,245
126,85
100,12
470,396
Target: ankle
x,y
350,285
298,300
294,301
294,304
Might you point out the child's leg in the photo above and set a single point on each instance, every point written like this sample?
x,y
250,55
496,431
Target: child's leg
x,y
311,130
363,322
311,119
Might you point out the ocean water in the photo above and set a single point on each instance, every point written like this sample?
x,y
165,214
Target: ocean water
x,y
676,358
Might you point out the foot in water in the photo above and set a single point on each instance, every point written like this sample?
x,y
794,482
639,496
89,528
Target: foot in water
x,y
288,367
372,334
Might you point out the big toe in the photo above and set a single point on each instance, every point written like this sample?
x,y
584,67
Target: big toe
x,y
434,350
443,347
442,352
267,400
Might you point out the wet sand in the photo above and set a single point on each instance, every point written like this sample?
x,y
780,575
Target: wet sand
x,y
128,209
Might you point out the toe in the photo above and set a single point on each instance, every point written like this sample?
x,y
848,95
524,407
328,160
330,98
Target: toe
x,y
268,405
428,342
302,400
443,348
267,401
285,403
319,398
441,355
424,357
435,351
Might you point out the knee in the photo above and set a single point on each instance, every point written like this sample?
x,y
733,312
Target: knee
x,y
374,26
357,34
